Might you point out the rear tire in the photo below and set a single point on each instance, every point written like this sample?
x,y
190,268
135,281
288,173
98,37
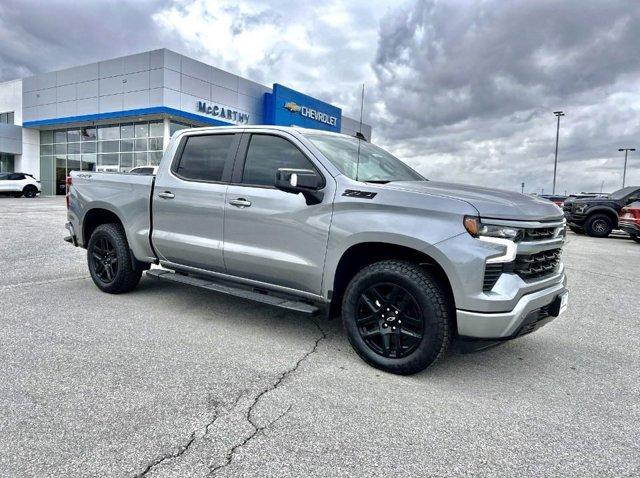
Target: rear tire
x,y
598,225
636,238
397,317
109,260
30,191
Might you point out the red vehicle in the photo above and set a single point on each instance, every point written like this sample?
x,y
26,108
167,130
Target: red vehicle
x,y
629,220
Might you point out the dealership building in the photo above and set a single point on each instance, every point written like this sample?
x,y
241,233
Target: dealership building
x,y
117,114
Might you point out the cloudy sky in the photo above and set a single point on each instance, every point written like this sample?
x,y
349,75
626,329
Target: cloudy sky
x,y
462,90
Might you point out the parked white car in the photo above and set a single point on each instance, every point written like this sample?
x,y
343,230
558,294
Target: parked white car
x,y
19,184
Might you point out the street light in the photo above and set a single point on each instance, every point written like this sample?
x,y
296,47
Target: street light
x,y
624,172
555,163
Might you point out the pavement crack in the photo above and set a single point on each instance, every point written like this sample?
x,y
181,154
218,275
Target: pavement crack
x,y
168,456
257,429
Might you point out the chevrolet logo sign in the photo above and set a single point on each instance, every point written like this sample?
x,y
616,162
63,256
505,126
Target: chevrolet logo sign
x,y
291,106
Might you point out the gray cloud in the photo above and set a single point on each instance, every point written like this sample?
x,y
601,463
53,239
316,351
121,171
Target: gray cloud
x,y
463,90
470,87
38,36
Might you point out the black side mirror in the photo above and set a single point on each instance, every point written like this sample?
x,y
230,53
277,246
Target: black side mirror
x,y
303,181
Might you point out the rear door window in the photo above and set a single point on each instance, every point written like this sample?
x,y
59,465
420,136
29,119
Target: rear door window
x,y
205,157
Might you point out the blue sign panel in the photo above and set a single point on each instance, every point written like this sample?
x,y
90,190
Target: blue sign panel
x,y
287,107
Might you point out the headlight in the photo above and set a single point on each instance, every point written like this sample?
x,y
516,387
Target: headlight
x,y
500,235
581,208
477,229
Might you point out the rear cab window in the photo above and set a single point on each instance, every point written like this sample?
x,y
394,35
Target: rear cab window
x,y
205,157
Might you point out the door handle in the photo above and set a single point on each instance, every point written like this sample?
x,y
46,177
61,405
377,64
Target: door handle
x,y
166,195
240,202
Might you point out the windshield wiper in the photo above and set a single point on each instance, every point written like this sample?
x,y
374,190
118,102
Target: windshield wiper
x,y
377,181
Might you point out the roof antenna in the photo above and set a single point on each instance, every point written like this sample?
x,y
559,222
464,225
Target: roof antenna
x,y
359,134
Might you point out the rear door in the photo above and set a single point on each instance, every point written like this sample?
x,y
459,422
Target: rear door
x,y
270,235
189,198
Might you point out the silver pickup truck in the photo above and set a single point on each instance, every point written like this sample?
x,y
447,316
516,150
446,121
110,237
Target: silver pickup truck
x,y
326,223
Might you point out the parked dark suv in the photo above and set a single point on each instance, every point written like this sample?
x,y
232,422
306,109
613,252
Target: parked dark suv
x,y
598,216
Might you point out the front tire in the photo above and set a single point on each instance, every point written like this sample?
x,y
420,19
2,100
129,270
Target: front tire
x,y
598,225
636,238
109,260
30,191
397,316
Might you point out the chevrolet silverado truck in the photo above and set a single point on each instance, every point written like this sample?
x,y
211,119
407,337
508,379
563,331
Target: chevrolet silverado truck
x,y
598,216
324,223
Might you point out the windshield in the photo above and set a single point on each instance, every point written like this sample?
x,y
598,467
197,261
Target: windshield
x,y
622,193
374,165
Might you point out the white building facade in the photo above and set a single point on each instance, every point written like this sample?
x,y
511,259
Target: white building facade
x,y
116,114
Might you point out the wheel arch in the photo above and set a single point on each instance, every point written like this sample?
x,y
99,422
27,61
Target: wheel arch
x,y
609,212
362,254
95,217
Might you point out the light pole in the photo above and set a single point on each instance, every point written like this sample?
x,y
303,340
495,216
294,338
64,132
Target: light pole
x,y
555,163
624,172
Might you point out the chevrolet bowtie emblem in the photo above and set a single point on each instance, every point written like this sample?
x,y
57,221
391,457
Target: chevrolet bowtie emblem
x,y
291,106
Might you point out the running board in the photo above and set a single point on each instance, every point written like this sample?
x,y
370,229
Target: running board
x,y
265,298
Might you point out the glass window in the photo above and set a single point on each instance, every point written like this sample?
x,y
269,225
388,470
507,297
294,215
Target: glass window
x,y
16,177
46,137
126,130
141,145
73,148
89,147
108,146
126,161
73,162
6,118
362,161
204,157
141,159
155,157
156,129
11,116
175,126
73,135
142,130
46,149
108,159
108,132
60,148
266,154
60,136
155,144
126,145
89,162
88,134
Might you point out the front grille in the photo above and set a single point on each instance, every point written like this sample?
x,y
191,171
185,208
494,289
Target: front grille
x,y
492,273
539,234
535,266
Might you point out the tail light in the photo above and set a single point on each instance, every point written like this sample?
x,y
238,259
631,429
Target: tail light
x,y
68,182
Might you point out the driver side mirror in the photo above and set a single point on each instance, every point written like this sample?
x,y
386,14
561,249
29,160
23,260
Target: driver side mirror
x,y
303,181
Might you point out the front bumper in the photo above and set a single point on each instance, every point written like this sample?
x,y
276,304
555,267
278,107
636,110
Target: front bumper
x,y
531,312
630,227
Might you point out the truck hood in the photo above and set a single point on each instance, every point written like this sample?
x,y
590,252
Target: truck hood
x,y
490,203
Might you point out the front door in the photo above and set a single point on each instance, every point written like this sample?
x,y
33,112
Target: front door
x,y
270,235
189,199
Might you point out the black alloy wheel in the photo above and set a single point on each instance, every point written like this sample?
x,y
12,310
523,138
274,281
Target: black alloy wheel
x,y
30,191
397,316
104,260
389,320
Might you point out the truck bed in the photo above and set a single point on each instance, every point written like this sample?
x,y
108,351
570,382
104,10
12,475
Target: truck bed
x,y
126,195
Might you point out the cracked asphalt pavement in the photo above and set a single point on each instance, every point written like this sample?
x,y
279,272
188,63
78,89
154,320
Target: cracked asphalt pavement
x,y
175,381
